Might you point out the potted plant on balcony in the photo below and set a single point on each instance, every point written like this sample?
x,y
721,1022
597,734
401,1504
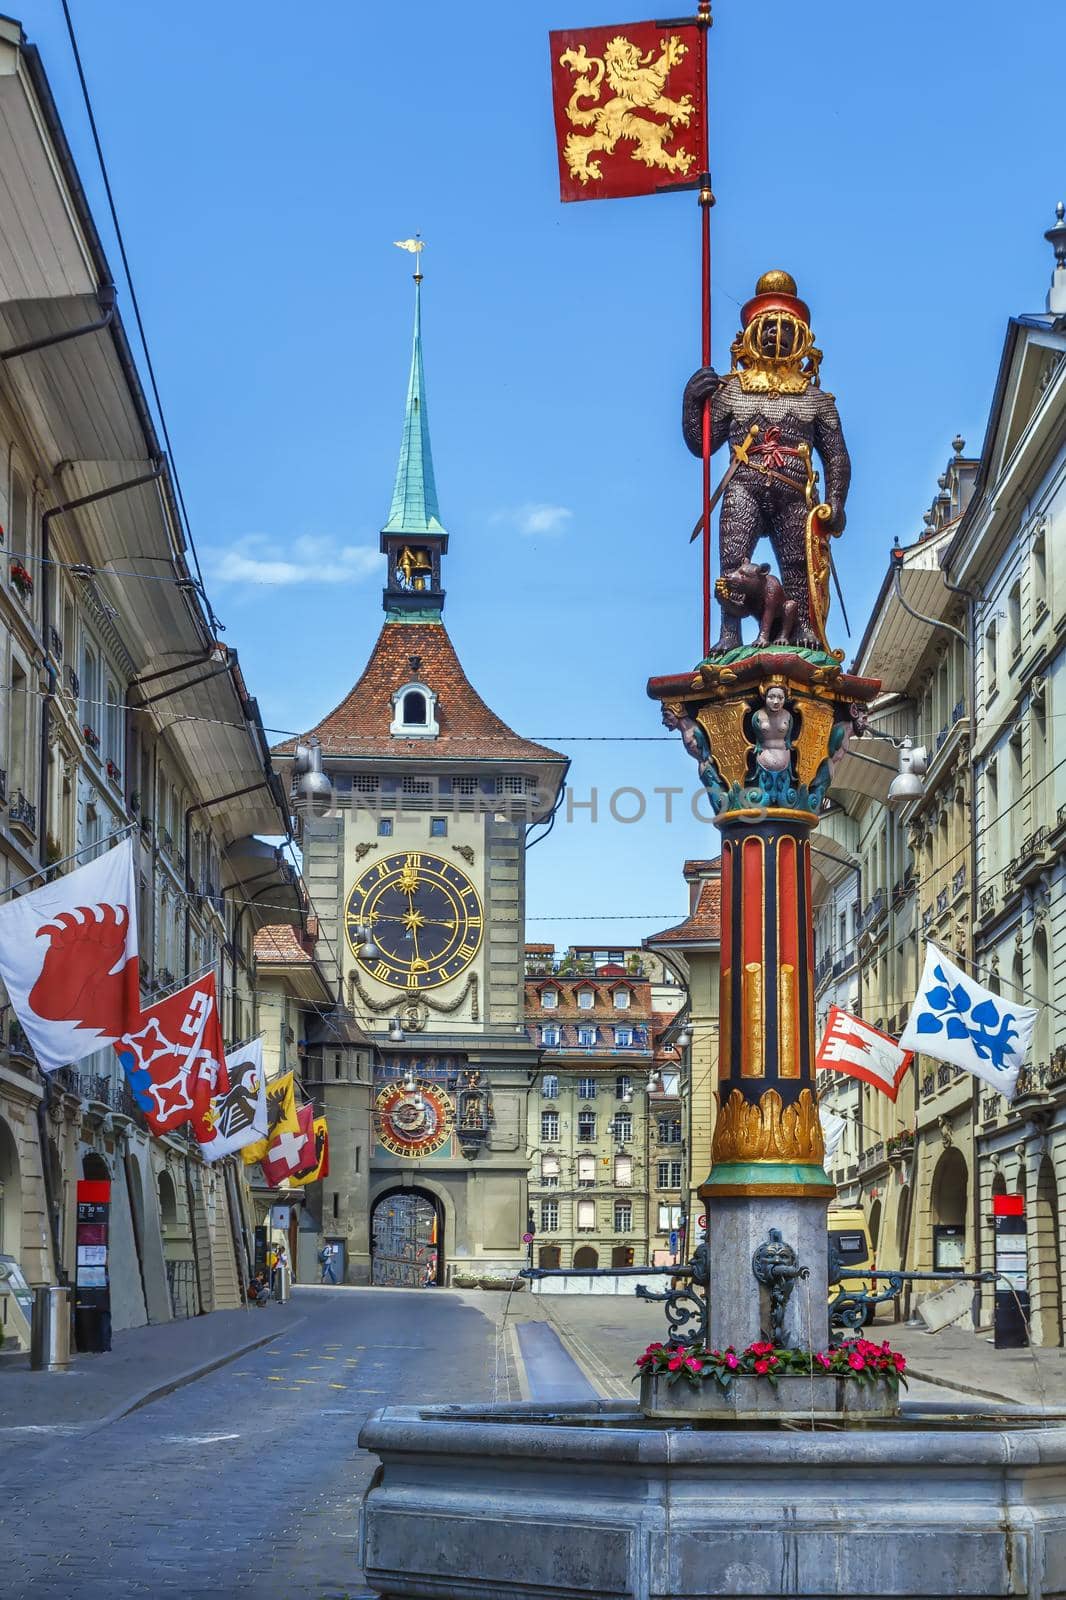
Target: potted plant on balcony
x,y
21,581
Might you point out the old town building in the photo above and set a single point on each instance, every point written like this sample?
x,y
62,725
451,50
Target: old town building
x,y
122,714
420,802
965,637
692,949
588,1135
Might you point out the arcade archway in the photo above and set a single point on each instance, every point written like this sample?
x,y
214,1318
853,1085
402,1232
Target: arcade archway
x,y
407,1239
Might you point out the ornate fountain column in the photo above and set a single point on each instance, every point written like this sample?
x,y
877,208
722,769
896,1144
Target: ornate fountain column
x,y
766,726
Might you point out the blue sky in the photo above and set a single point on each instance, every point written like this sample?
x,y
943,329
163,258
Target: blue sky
x,y
901,161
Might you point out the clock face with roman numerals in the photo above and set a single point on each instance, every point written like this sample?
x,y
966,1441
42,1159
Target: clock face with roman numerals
x,y
425,917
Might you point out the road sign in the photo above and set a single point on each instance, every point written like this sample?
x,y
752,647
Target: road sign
x,y
527,1238
701,1222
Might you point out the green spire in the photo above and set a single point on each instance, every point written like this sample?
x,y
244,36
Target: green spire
x,y
414,497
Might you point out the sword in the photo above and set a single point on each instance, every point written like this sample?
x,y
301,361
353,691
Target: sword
x,y
740,459
840,595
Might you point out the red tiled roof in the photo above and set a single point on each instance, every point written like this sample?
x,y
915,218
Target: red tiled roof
x,y
284,945
603,1007
696,869
359,726
703,926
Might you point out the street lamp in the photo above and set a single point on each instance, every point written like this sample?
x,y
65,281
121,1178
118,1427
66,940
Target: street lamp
x,y
908,784
396,1037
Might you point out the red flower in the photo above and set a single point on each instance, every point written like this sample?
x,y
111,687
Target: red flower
x,y
675,1364
899,1360
765,1363
693,1365
856,1362
760,1349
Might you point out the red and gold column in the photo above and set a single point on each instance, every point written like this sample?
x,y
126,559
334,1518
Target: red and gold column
x,y
766,728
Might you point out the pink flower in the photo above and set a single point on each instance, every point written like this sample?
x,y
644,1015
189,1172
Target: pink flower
x,y
823,1359
675,1363
899,1360
856,1362
693,1365
731,1361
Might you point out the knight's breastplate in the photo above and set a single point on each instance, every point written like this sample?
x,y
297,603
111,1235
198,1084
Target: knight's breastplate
x,y
792,415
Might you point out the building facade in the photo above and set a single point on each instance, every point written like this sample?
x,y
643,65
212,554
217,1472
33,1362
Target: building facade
x,y
122,715
966,639
414,853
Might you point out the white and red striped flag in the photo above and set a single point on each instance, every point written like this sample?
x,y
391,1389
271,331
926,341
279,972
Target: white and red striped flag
x,y
853,1046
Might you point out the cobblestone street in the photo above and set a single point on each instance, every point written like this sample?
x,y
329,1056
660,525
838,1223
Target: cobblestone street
x,y
250,1478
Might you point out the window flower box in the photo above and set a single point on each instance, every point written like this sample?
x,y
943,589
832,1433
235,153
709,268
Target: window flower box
x,y
91,737
679,1382
113,773
21,581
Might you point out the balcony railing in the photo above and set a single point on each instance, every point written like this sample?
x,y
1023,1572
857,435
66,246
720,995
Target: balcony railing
x,y
942,737
21,814
987,901
927,917
958,711
1010,873
958,882
55,642
941,902
1056,1072
3,785
872,1157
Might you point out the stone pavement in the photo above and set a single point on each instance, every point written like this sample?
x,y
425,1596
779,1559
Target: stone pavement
x,y
143,1364
249,1479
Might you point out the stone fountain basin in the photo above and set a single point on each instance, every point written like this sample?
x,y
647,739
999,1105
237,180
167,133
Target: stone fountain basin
x,y
599,1502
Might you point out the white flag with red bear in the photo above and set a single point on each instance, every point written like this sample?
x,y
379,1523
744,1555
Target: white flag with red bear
x,y
68,959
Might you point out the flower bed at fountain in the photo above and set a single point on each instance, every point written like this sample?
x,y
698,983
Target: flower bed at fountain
x,y
680,1382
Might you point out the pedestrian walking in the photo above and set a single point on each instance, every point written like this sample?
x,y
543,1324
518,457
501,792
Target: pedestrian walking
x,y
325,1257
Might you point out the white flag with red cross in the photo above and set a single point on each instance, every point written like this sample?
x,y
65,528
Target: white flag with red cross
x,y
68,959
853,1046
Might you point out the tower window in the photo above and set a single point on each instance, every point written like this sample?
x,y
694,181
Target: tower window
x,y
384,827
438,827
414,707
414,712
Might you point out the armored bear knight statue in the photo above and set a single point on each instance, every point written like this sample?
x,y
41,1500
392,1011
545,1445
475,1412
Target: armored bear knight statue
x,y
774,415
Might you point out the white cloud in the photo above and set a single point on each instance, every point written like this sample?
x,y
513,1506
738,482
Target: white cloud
x,y
308,559
536,519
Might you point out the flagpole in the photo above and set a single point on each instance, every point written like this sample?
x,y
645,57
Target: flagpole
x,y
706,201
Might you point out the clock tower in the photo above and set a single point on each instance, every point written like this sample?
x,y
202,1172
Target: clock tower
x,y
414,846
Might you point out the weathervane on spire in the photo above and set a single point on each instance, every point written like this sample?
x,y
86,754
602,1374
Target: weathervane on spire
x,y
416,247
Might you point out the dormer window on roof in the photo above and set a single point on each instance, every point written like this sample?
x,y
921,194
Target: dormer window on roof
x,y
586,999
621,999
414,712
549,999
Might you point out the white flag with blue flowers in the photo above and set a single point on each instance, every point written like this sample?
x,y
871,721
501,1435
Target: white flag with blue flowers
x,y
957,1020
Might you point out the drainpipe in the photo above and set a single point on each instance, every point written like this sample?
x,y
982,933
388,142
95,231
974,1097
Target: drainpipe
x,y
105,298
50,1197
46,523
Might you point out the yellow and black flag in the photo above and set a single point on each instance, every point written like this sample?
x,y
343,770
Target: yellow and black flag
x,y
281,1117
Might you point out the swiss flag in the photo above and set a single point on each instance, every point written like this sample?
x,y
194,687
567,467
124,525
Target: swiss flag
x,y
853,1046
290,1152
175,1059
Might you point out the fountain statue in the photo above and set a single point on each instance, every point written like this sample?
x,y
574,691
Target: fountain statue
x,y
761,1459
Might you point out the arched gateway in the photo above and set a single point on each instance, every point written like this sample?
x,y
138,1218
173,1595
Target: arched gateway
x,y
407,1239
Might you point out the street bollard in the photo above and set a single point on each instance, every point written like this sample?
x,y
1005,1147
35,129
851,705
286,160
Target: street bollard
x,y
50,1328
281,1283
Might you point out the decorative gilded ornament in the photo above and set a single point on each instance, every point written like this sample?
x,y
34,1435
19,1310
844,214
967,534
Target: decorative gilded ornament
x,y
768,1130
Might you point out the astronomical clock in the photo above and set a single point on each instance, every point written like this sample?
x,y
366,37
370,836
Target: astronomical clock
x,y
423,915
413,1121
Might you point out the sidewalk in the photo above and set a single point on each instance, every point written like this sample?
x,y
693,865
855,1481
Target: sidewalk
x,y
143,1364
606,1333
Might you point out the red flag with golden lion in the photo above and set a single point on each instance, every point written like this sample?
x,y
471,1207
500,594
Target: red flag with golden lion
x,y
629,108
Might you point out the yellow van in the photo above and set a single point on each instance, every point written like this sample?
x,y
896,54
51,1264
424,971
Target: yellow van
x,y
849,1232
